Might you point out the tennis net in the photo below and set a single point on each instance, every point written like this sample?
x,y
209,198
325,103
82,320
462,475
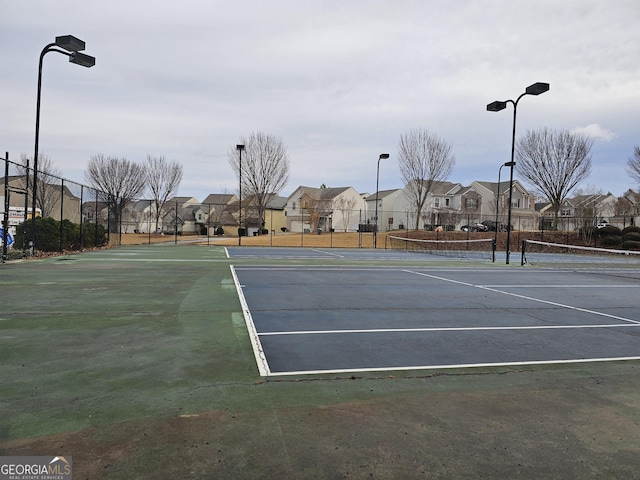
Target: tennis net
x,y
483,248
545,253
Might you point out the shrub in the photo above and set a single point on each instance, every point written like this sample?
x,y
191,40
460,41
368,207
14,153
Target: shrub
x,y
631,237
631,245
92,238
611,241
48,234
631,229
607,231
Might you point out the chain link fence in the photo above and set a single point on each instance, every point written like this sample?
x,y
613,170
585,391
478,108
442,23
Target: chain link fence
x,y
60,215
54,215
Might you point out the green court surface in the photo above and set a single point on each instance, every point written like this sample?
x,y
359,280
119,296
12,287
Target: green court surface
x,y
137,362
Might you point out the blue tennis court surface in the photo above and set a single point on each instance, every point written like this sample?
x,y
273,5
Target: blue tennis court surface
x,y
324,319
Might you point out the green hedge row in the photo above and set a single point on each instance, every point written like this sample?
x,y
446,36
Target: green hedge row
x,y
613,237
49,232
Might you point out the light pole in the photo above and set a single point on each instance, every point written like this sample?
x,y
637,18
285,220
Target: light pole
x,y
375,228
240,148
71,47
508,164
534,89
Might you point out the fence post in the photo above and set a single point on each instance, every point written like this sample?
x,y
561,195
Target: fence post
x,y
61,215
26,206
5,217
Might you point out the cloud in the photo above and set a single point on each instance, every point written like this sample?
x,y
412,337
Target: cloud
x,y
596,131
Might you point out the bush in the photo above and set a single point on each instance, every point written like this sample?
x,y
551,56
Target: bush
x,y
631,245
607,231
631,229
631,237
48,235
611,241
219,231
92,238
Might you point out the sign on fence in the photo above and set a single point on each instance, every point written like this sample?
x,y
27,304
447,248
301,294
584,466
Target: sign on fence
x,y
9,238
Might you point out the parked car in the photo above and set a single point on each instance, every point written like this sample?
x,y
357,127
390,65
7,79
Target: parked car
x,y
475,227
491,226
602,224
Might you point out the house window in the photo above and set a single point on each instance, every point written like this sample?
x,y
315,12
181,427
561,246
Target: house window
x,y
436,202
515,203
565,212
294,205
446,202
471,203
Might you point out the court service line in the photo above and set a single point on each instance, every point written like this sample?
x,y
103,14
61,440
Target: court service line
x,y
563,286
327,253
526,297
444,329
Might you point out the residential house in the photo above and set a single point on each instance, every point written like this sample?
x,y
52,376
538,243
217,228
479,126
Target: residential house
x,y
57,200
627,210
311,209
179,216
391,209
581,211
220,210
495,204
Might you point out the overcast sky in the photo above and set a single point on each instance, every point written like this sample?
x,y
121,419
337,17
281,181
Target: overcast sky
x,y
337,81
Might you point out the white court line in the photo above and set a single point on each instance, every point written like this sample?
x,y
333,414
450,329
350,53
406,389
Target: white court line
x,y
547,302
448,367
327,253
563,286
258,351
446,329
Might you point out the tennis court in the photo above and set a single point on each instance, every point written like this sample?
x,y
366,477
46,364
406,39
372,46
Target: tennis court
x,y
334,317
136,361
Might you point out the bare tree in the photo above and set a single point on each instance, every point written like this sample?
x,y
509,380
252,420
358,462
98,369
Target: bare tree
x,y
633,164
554,162
265,168
163,179
424,159
48,190
117,180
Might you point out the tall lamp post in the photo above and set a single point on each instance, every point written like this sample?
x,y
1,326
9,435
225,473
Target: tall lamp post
x,y
240,148
534,89
375,231
71,47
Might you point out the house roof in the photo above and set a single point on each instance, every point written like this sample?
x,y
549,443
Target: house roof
x,y
443,188
219,198
493,186
277,203
382,194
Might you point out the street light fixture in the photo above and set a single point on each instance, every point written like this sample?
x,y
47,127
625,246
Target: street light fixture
x,y
70,46
534,89
240,148
375,231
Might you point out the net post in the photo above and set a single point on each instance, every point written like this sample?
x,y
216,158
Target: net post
x,y
522,260
493,251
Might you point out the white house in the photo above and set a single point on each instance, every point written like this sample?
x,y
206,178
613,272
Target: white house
x,y
341,209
